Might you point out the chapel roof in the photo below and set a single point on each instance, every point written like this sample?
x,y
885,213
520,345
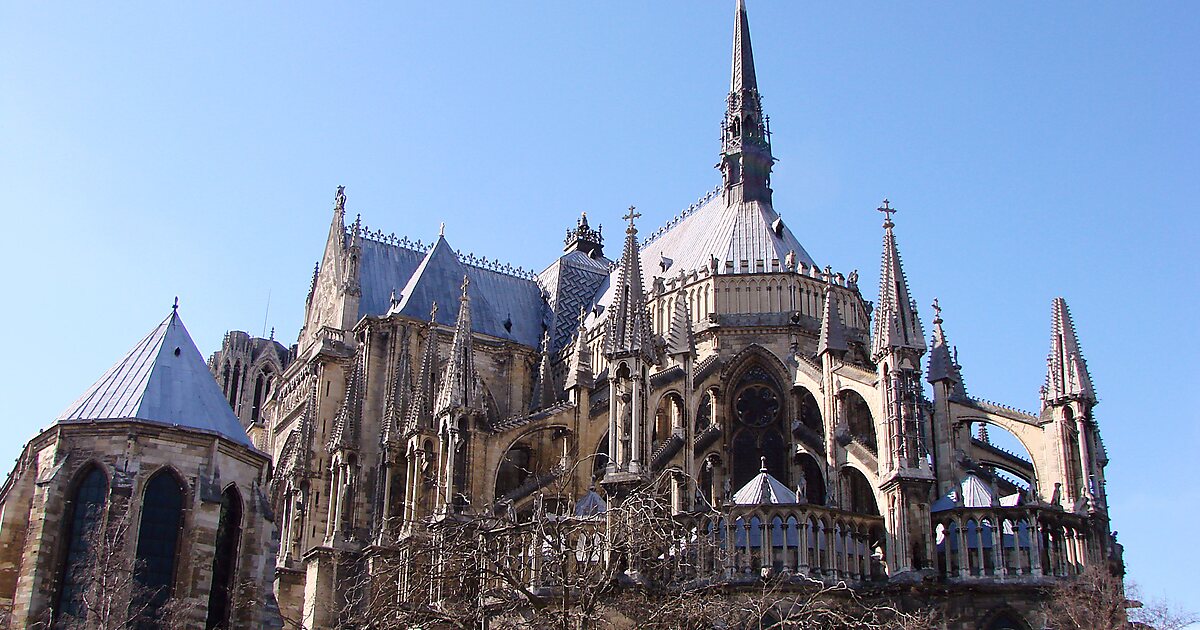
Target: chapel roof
x,y
764,489
163,379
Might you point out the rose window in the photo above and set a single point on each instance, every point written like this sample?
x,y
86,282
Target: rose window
x,y
757,406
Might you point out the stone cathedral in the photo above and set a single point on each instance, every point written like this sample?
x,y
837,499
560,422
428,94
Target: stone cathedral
x,y
834,432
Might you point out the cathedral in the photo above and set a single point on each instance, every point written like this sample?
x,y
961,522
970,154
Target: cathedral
x,y
791,429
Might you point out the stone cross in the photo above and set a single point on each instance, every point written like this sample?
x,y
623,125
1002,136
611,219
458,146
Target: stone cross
x,y
887,210
633,214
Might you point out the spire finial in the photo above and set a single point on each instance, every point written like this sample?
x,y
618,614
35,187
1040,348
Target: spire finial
x,y
937,312
433,313
762,464
887,211
442,229
630,216
339,199
175,306
465,283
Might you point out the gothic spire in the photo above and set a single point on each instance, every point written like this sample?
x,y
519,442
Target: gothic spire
x,y
544,392
420,408
346,423
746,159
628,329
1066,374
460,387
396,406
896,322
943,366
833,331
742,77
579,368
679,334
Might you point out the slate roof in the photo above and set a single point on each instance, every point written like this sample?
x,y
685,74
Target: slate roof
x,y
975,494
764,489
163,379
572,282
421,278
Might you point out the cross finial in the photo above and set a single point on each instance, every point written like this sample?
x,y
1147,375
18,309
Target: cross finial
x,y
633,214
433,312
175,306
442,229
466,283
762,463
937,311
887,211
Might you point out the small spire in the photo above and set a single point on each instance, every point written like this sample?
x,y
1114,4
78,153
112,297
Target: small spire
x,y
983,433
833,332
1067,374
943,358
628,330
897,324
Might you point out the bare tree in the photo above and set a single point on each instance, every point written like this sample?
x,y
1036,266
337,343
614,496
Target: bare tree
x,y
110,596
638,564
1097,599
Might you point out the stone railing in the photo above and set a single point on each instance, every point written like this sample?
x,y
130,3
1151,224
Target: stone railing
x,y
1012,542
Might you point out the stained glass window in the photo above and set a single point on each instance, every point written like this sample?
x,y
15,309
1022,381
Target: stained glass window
x,y
158,541
229,532
84,513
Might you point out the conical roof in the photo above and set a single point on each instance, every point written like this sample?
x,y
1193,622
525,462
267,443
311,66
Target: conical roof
x,y
1066,371
163,379
764,489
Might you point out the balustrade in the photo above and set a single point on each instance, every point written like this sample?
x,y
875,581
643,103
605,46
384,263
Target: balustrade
x,y
1011,542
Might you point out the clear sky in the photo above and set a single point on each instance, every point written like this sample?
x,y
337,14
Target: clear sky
x,y
1033,150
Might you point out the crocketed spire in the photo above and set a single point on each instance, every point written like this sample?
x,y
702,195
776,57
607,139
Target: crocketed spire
x,y
460,387
679,334
544,392
896,322
1066,372
579,367
420,409
943,366
395,408
628,331
746,159
833,331
346,423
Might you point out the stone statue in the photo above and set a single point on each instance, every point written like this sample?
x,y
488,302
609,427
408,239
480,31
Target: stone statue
x,y
789,261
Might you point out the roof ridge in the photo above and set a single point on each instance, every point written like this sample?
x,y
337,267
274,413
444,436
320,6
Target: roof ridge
x,y
469,259
681,215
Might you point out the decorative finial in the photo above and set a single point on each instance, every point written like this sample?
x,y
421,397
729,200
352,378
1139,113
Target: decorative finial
x,y
433,313
763,464
442,229
887,211
633,214
466,283
937,312
175,306
272,333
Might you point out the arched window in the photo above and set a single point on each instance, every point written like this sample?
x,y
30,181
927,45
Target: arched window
x,y
814,481
601,459
229,533
515,469
258,397
83,516
158,542
758,409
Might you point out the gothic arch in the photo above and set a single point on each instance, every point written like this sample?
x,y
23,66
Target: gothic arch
x,y
743,360
860,419
1003,618
225,558
164,503
1023,432
518,461
758,412
861,495
88,489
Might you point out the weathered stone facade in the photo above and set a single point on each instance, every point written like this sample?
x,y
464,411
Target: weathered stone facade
x,y
427,385
147,419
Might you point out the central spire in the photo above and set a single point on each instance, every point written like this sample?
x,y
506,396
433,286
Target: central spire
x,y
746,159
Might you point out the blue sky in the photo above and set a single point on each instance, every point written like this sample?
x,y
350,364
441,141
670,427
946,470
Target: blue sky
x,y
164,149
